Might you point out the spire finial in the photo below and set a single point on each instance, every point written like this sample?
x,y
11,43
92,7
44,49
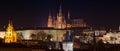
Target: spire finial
x,y
49,13
50,16
60,10
68,15
10,22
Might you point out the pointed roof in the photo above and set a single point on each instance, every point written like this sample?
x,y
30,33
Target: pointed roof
x,y
10,23
60,11
49,13
68,15
50,16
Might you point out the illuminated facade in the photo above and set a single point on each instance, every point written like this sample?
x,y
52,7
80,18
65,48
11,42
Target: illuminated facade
x,y
112,38
10,34
57,35
59,22
50,23
78,23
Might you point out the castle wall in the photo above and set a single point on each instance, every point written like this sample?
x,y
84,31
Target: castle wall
x,y
57,34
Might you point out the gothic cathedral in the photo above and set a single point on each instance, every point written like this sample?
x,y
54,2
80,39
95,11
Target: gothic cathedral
x,y
59,22
10,34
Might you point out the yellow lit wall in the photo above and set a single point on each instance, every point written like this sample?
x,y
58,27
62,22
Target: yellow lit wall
x,y
10,34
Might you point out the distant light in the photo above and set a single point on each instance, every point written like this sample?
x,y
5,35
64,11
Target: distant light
x,y
68,46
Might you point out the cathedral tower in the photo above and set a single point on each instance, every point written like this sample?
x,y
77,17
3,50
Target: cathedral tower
x,y
60,22
50,21
10,34
68,21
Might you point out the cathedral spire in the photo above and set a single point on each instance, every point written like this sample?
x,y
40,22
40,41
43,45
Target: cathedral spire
x,y
50,20
10,22
49,16
60,11
49,13
68,21
68,15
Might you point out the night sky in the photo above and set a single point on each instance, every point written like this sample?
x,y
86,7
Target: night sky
x,y
34,13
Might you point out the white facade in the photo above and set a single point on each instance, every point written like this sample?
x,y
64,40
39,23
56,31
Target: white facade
x,y
57,34
78,23
112,38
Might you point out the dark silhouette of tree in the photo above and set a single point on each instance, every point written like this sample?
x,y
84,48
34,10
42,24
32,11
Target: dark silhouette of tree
x,y
1,40
20,36
100,41
33,36
100,44
41,35
49,36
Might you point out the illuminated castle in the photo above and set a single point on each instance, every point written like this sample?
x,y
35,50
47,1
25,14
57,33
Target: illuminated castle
x,y
59,22
10,34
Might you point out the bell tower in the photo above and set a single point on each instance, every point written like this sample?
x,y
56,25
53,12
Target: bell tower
x,y
10,34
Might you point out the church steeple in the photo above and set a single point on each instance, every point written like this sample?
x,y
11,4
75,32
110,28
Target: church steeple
x,y
58,22
68,21
60,11
10,34
10,23
68,15
50,20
